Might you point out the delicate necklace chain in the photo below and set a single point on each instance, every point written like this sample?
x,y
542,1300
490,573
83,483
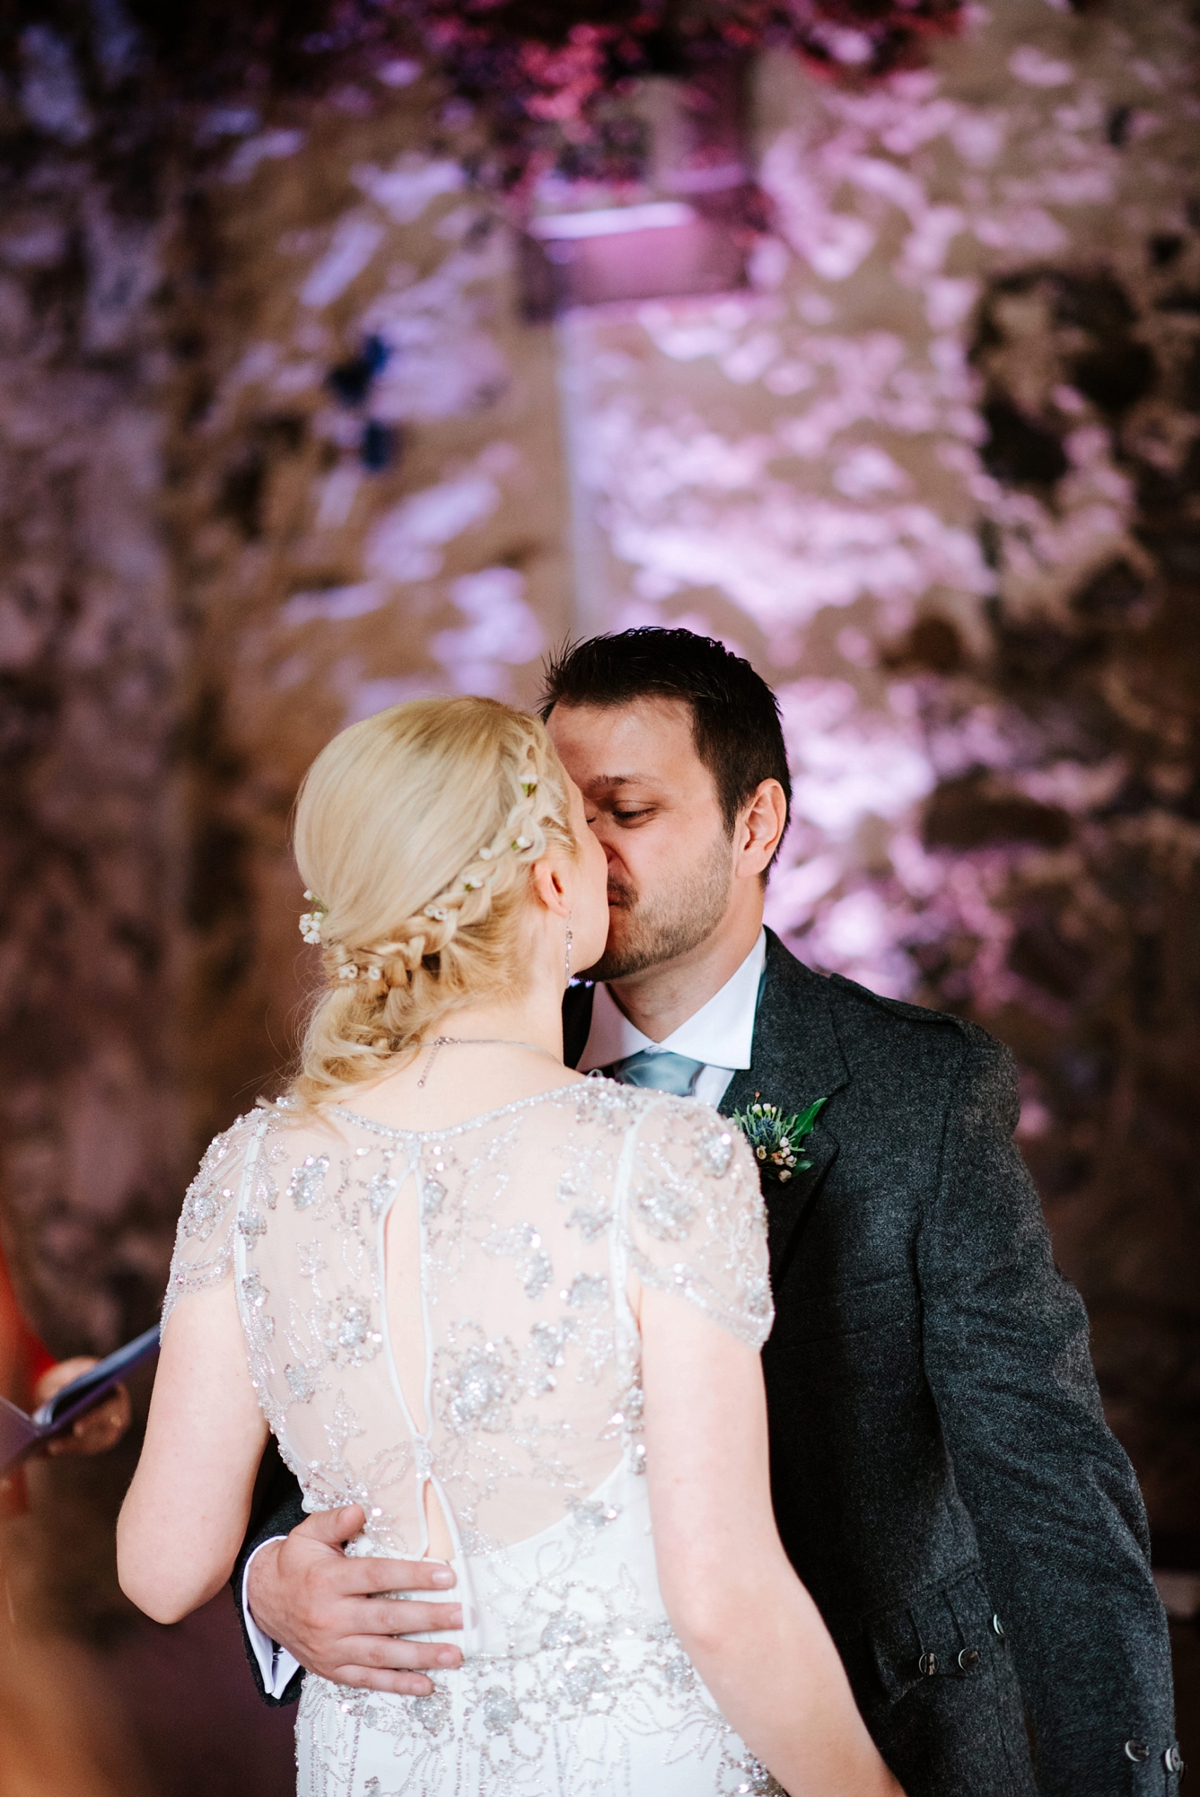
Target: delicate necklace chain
x,y
479,1042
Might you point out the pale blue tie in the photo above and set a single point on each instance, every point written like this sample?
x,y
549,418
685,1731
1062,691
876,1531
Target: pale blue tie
x,y
657,1068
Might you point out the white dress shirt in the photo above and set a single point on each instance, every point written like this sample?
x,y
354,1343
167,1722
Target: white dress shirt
x,y
720,1034
276,1664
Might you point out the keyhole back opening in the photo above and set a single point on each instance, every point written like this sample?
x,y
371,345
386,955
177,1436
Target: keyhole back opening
x,y
408,1336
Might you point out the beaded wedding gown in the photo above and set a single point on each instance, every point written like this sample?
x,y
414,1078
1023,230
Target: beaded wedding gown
x,y
448,1308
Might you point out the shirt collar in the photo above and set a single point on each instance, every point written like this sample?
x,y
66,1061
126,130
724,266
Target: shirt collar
x,y
720,1033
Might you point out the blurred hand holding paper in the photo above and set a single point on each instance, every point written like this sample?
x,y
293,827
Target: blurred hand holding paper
x,y
21,1434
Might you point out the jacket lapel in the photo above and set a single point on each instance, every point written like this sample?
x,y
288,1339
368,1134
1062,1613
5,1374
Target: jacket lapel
x,y
795,1058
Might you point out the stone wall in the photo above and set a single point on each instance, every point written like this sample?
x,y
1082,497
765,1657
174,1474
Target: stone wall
x,y
92,660
366,504
935,472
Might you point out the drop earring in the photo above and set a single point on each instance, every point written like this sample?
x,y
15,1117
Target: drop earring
x,y
568,954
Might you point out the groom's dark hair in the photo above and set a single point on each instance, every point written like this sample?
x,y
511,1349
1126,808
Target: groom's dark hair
x,y
735,715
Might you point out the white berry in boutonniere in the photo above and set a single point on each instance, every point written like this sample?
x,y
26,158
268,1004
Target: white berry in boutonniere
x,y
777,1140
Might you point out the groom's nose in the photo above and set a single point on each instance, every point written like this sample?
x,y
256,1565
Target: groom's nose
x,y
618,872
604,831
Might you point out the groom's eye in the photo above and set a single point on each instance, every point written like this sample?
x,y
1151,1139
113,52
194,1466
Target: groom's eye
x,y
631,817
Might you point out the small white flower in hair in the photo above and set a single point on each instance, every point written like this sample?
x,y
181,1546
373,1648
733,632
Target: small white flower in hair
x,y
347,971
485,854
374,973
437,912
529,784
523,842
472,885
310,923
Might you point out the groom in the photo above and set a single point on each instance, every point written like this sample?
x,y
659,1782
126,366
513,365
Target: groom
x,y
943,1478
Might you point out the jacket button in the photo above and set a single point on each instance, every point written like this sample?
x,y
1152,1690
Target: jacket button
x,y
1173,1760
1137,1751
968,1659
998,1627
927,1665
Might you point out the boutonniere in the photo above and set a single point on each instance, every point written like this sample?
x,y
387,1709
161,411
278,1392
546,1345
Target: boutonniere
x,y
777,1140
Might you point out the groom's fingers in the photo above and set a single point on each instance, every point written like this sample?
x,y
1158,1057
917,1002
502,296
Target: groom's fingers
x,y
400,1684
334,1525
331,1527
326,1607
386,1616
364,1578
368,1678
377,1663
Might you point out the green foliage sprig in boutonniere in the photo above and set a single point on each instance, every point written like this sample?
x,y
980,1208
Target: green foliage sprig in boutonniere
x,y
777,1140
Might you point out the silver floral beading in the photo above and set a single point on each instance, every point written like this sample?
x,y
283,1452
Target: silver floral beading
x,y
446,1309
307,1182
381,1189
433,1193
478,1388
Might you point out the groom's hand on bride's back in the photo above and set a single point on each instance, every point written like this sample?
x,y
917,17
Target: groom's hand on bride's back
x,y
320,1603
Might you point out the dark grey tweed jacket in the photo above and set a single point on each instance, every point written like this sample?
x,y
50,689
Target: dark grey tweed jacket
x,y
943,1478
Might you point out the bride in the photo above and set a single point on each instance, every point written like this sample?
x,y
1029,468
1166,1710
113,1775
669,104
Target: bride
x,y
514,1313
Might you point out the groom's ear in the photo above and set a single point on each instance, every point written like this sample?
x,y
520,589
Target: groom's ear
x,y
759,830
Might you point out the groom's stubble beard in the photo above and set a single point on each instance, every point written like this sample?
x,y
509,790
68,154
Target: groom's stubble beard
x,y
647,929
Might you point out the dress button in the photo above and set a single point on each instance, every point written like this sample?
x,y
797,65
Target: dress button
x,y
968,1659
1173,1760
1137,1751
927,1664
998,1628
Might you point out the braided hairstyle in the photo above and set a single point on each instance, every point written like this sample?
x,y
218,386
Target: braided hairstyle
x,y
417,828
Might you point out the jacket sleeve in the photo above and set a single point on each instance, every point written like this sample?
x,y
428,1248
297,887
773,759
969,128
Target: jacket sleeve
x,y
276,1511
1056,1507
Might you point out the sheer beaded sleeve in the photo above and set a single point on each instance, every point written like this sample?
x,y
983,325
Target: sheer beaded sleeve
x,y
694,1217
203,1254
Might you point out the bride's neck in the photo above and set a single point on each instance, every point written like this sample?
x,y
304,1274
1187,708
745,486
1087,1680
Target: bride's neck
x,y
535,1018
531,1010
436,1088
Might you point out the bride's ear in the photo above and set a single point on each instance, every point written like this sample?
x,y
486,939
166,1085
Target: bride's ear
x,y
548,888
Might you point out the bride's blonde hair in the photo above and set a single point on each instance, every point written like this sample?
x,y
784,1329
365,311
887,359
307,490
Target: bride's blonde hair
x,y
415,833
